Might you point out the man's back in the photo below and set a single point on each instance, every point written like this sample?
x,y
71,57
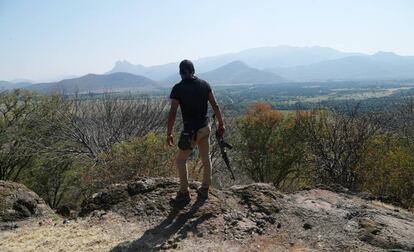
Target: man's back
x,y
193,97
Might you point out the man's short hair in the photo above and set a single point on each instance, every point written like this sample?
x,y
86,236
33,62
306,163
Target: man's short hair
x,y
186,66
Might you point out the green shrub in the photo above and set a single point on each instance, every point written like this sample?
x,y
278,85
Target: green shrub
x,y
388,169
142,156
271,145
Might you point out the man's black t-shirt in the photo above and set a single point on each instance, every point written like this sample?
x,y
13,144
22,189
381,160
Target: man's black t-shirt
x,y
193,97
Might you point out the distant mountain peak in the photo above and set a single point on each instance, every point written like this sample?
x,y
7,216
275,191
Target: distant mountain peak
x,y
127,67
385,54
87,75
122,63
238,72
237,63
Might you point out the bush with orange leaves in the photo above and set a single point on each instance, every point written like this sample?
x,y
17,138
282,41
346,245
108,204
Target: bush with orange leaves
x,y
271,145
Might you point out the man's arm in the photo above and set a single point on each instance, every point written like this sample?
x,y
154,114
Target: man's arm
x,y
217,112
171,120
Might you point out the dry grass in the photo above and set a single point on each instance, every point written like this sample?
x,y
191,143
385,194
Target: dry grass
x,y
82,235
95,234
105,233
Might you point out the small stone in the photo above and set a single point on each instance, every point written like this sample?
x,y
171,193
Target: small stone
x,y
259,215
375,231
307,226
270,219
260,223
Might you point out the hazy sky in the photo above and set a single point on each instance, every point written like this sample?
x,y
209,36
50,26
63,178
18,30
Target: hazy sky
x,y
42,39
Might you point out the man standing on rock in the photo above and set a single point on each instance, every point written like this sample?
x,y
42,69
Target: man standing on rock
x,y
192,95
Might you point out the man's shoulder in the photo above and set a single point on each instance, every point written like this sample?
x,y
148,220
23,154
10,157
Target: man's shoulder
x,y
203,82
176,91
177,85
182,84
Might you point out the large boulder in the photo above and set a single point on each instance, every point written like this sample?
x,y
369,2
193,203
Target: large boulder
x,y
17,203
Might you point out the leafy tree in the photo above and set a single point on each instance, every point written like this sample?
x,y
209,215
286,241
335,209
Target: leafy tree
x,y
271,145
388,169
54,179
338,142
142,156
16,154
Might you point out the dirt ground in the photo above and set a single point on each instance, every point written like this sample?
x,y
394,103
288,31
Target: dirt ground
x,y
105,233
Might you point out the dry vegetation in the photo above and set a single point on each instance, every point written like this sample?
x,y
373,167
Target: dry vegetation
x,y
67,148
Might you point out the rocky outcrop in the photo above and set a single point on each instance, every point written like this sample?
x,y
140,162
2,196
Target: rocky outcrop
x,y
317,219
17,203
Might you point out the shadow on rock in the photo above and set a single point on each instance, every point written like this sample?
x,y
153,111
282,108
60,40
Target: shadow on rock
x,y
169,232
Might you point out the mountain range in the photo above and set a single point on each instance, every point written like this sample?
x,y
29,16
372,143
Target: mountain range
x,y
265,65
260,58
380,66
294,64
97,83
5,85
235,72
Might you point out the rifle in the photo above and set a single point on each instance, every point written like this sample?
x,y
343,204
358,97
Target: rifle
x,y
223,145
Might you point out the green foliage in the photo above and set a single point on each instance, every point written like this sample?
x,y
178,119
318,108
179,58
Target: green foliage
x,y
66,149
144,156
16,150
271,145
338,143
141,156
54,179
52,144
388,169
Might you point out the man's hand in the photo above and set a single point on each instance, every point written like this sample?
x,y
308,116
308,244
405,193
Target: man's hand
x,y
221,129
217,113
170,140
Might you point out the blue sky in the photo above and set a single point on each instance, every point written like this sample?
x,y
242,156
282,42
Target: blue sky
x,y
41,39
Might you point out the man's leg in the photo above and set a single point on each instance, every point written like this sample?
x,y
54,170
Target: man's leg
x,y
203,142
180,162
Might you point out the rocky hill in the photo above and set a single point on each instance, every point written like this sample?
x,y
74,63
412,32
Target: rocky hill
x,y
138,216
